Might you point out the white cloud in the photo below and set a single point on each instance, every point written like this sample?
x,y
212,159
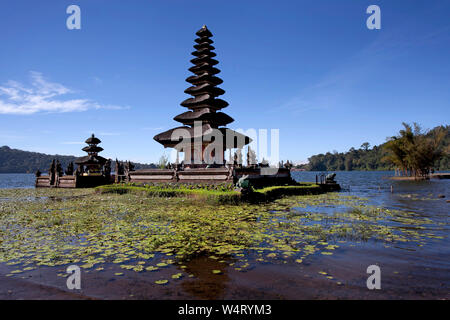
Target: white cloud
x,y
42,96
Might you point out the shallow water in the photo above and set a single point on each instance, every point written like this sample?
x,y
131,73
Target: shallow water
x,y
416,266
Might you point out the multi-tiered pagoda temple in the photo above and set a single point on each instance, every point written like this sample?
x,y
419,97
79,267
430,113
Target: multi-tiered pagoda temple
x,y
91,164
203,123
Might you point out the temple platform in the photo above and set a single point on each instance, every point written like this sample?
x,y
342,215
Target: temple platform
x,y
258,177
72,181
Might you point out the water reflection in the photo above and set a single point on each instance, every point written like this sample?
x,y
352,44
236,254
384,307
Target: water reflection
x,y
205,284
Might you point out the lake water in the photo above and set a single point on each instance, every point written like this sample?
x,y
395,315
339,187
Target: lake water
x,y
17,180
408,271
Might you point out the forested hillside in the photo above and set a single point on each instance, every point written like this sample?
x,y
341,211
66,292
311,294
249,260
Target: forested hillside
x,y
19,161
371,158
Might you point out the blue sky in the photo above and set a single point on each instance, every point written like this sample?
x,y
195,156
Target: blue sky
x,y
311,69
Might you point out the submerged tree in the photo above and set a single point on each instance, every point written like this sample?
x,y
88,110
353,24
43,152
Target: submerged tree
x,y
413,151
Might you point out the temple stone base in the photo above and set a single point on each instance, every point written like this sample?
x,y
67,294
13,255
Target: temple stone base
x,y
188,176
259,177
72,181
265,176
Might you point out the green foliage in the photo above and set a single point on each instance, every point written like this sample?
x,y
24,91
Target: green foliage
x,y
274,192
388,156
202,193
223,193
354,159
414,152
163,162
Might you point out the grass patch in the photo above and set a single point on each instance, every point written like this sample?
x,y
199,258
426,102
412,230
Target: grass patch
x,y
206,194
161,191
275,192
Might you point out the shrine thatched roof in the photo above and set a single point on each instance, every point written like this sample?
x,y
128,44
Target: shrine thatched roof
x,y
91,160
93,140
175,136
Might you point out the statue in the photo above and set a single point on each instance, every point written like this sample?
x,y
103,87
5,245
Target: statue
x,y
129,166
264,163
69,170
251,158
107,168
243,182
237,160
52,172
59,169
52,168
288,164
330,178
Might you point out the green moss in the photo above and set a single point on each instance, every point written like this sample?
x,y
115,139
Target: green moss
x,y
162,191
271,193
218,194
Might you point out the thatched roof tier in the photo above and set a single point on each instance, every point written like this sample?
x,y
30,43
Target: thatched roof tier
x,y
186,136
204,78
92,149
93,140
215,119
201,52
204,58
204,101
204,32
204,45
205,88
204,67
90,160
204,40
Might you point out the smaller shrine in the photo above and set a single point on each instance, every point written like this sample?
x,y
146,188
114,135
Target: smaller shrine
x,y
92,170
92,164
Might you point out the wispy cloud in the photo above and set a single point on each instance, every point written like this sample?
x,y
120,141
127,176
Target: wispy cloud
x,y
42,96
152,128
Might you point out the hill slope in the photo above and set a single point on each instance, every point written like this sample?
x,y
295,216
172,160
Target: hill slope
x,y
19,161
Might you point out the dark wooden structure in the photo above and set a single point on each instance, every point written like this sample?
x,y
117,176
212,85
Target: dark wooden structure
x,y
202,138
93,170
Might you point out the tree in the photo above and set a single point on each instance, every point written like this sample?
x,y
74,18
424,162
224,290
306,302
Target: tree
x,y
365,146
414,152
163,161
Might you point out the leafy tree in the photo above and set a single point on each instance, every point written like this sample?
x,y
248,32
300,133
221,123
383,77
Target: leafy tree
x,y
163,161
410,152
365,146
415,152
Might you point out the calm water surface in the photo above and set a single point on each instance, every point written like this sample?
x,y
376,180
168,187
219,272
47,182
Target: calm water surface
x,y
16,180
406,272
